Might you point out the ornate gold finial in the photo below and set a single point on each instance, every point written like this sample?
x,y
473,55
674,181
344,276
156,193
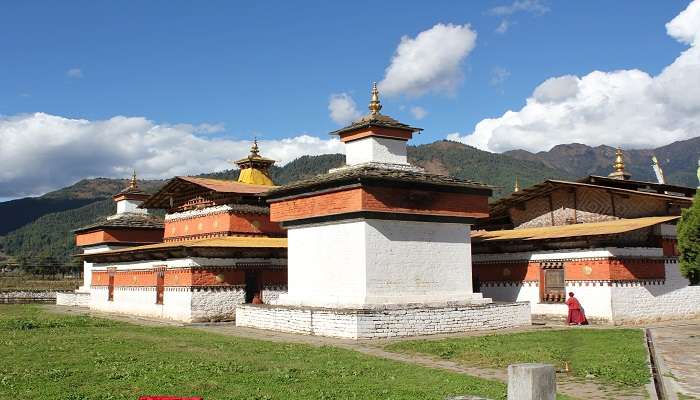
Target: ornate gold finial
x,y
254,150
619,165
516,187
374,104
133,184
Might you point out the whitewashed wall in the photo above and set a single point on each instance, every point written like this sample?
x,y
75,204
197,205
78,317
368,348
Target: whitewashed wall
x,y
656,300
141,301
595,297
378,262
376,149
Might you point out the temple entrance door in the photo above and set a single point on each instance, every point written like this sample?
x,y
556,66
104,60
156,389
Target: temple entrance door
x,y
252,286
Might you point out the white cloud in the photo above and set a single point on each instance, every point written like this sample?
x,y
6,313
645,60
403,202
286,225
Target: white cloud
x,y
42,152
503,26
430,62
531,6
74,73
419,112
343,109
629,108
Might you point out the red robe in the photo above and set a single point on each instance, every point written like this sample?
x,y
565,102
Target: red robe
x,y
576,315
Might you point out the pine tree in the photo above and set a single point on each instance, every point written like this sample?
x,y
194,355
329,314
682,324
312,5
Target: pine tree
x,y
689,242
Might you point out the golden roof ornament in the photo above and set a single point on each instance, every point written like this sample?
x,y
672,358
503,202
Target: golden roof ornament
x,y
133,184
516,187
374,104
619,166
254,150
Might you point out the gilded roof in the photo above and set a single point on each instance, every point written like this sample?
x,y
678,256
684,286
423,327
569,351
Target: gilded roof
x,y
571,231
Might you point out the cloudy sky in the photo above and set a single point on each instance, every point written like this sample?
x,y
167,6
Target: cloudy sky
x,y
171,88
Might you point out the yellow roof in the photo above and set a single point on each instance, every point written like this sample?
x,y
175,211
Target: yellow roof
x,y
254,176
574,230
227,242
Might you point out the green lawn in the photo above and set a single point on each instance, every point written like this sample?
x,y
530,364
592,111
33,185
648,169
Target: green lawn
x,y
613,356
50,356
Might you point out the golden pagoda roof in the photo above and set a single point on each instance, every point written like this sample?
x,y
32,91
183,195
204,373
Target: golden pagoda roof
x,y
254,168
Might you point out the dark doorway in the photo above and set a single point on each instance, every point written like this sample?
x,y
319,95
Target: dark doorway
x,y
252,285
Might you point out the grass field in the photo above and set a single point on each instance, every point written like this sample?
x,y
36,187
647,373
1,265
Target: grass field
x,y
613,356
12,283
51,356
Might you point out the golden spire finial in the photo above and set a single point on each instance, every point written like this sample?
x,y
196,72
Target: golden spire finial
x,y
133,184
619,164
254,150
374,104
516,187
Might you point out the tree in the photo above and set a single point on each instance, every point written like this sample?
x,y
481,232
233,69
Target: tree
x,y
689,241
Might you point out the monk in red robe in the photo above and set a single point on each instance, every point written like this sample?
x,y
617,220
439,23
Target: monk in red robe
x,y
576,314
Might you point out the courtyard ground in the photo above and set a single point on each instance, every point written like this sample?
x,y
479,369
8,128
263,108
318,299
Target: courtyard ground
x,y
273,353
50,356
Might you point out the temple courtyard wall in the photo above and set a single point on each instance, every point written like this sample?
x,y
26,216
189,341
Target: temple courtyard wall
x,y
610,301
384,321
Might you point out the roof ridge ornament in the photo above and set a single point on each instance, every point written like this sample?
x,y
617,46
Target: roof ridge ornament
x,y
133,184
619,166
254,149
374,103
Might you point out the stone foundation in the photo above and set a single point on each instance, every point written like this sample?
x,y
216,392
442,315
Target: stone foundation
x,y
384,321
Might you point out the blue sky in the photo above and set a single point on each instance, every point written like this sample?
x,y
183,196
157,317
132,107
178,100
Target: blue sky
x,y
270,68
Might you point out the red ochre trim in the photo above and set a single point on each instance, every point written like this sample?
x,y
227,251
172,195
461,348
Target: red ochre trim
x,y
187,277
626,269
381,199
376,132
224,224
109,235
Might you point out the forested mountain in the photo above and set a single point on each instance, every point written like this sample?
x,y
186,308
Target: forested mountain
x,y
39,231
679,160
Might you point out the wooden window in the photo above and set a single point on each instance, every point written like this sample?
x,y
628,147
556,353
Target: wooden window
x,y
552,283
160,285
110,284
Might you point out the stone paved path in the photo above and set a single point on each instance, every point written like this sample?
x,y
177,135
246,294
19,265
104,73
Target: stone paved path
x,y
575,388
678,346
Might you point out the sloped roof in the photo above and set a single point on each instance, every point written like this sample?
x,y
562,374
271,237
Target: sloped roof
x,y
126,220
374,173
161,199
378,120
500,206
190,247
571,231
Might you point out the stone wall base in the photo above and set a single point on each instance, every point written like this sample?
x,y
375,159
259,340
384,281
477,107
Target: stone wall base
x,y
76,299
384,321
